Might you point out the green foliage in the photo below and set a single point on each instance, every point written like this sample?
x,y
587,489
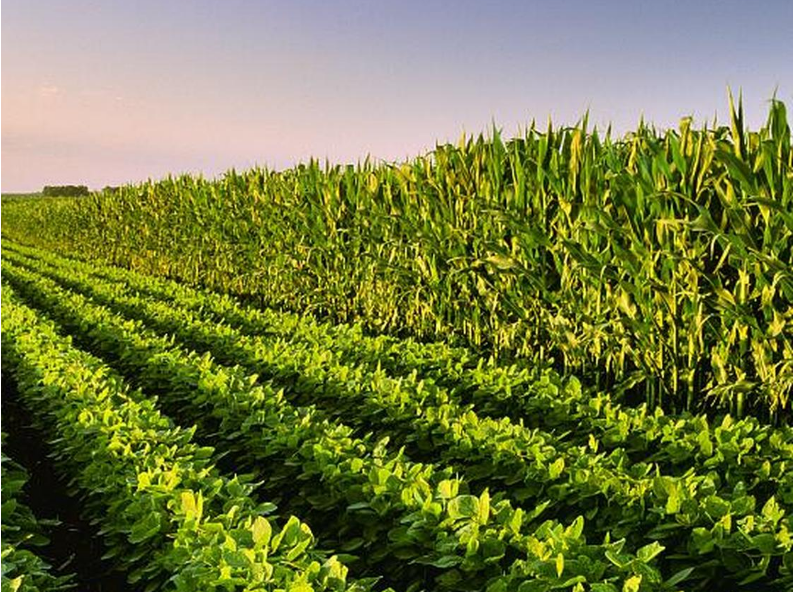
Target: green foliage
x,y
718,510
399,515
656,264
540,398
9,197
168,518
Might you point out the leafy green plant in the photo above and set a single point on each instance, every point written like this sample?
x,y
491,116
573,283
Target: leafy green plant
x,y
167,516
423,517
572,477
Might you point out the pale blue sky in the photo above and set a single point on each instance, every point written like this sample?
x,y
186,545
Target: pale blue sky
x,y
116,91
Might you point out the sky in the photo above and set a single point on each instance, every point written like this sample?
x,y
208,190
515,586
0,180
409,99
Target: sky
x,y
116,91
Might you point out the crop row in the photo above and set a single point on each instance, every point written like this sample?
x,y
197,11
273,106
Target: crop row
x,y
579,478
168,518
386,506
741,448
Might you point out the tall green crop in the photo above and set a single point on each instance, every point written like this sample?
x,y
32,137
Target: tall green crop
x,y
657,264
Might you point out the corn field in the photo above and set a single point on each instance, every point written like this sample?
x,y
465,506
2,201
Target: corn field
x,y
655,266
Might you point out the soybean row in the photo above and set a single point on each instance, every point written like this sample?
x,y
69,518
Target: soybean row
x,y
169,519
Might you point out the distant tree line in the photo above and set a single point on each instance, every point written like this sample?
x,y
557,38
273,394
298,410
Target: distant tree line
x,y
64,190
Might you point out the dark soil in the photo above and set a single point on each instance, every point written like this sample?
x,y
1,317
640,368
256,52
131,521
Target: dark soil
x,y
75,547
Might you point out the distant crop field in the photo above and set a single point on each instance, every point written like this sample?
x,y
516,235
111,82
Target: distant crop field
x,y
9,197
562,361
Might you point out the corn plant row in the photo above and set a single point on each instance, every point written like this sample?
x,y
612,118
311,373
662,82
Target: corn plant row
x,y
384,505
23,568
167,517
744,449
678,507
656,262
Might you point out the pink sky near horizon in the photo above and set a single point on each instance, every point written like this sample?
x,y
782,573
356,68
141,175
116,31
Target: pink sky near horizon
x,y
140,90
